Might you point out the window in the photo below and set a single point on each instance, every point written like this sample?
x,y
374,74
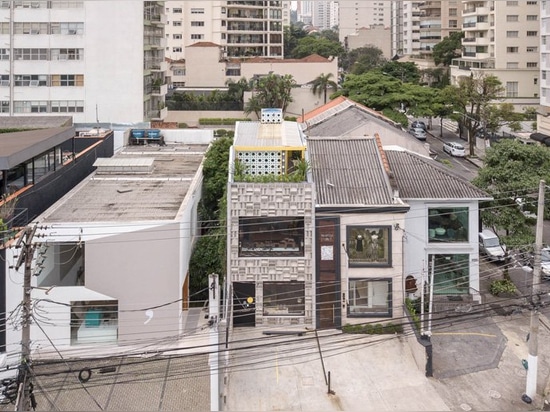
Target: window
x,y
512,33
4,80
30,107
31,80
512,49
197,24
197,36
512,18
31,54
195,10
532,33
512,3
176,49
532,65
30,28
67,28
369,246
176,23
511,89
370,297
532,17
451,274
67,80
178,72
177,10
177,36
532,49
512,65
284,298
271,236
61,4
67,106
67,54
448,224
4,106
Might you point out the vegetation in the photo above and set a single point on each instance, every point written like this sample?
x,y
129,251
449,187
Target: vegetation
x,y
322,84
272,90
512,170
370,329
216,100
298,175
206,121
448,49
317,44
362,60
502,287
209,253
413,310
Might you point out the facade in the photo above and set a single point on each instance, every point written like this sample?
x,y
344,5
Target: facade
x,y
54,60
325,14
271,224
411,13
438,19
243,29
356,14
375,35
502,38
543,119
128,226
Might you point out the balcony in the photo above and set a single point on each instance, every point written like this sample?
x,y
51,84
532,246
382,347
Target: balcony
x,y
156,66
159,90
158,115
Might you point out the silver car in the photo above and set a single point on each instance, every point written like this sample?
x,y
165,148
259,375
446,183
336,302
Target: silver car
x,y
418,132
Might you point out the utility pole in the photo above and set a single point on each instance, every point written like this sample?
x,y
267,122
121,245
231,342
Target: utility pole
x,y
532,360
25,399
213,358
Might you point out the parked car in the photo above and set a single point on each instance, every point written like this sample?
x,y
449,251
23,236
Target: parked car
x,y
419,124
417,132
489,245
454,149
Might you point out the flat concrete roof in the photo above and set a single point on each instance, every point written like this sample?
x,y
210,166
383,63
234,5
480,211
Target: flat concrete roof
x,y
123,195
18,147
35,122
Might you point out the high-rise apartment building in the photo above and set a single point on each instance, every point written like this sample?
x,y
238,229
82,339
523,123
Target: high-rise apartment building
x,y
543,119
354,15
304,11
502,38
410,33
95,60
325,14
438,18
242,28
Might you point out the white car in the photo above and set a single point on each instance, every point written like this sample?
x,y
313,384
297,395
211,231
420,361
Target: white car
x,y
454,149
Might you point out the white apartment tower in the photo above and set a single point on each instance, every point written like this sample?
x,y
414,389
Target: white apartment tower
x,y
438,19
354,15
410,40
543,120
502,38
325,14
95,60
242,28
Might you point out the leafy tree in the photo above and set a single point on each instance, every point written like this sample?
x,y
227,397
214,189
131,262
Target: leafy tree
x,y
446,50
330,34
470,99
407,72
236,89
272,90
291,36
317,45
362,59
322,84
435,77
512,170
498,115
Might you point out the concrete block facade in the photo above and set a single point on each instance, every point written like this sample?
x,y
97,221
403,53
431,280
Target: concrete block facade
x,y
273,200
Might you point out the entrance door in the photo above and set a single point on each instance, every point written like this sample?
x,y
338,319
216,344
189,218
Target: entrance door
x,y
329,312
244,304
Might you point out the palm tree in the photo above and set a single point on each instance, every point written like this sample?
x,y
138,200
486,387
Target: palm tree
x,y
322,83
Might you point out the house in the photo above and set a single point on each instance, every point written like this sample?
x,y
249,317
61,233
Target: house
x,y
359,235
344,117
271,224
112,255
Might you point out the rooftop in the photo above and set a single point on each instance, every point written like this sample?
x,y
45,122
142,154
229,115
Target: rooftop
x,y
268,136
125,188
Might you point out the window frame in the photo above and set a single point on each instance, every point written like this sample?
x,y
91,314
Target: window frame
x,y
288,298
357,245
354,296
448,218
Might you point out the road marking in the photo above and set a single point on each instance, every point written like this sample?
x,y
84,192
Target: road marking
x,y
465,333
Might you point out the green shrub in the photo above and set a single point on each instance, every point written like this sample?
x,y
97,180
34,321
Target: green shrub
x,y
502,287
413,307
370,329
182,125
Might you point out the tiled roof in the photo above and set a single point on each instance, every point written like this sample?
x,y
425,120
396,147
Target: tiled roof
x,y
418,177
348,171
312,58
204,44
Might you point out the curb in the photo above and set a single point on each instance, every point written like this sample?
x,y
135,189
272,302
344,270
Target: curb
x,y
469,159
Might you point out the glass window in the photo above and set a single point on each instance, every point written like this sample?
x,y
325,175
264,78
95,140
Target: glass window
x,y
448,224
284,298
451,274
369,245
512,18
370,297
272,236
512,89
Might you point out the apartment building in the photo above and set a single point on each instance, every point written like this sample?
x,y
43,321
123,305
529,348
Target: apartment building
x,y
438,19
356,14
243,28
98,61
543,119
325,14
410,33
502,38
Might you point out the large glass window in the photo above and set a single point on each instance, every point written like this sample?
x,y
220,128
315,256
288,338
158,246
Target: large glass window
x,y
284,298
369,245
448,224
451,274
370,297
271,236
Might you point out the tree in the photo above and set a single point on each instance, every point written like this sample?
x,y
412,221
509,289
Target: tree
x,y
317,45
435,77
322,84
512,170
470,100
362,59
271,91
291,36
448,49
407,72
236,89
498,115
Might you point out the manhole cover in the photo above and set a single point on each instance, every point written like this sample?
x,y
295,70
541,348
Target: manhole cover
x,y
465,407
494,394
